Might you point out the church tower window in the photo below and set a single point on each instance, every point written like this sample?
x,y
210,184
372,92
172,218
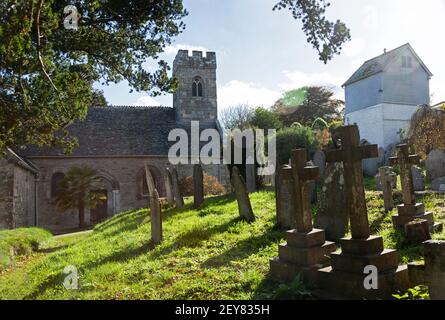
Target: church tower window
x,y
197,87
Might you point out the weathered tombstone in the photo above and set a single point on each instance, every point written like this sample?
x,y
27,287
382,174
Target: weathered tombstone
x,y
371,165
176,189
169,188
250,178
418,182
438,184
332,216
435,164
432,272
386,178
150,181
156,218
285,208
319,160
417,231
242,196
378,180
347,276
312,185
306,248
409,210
198,186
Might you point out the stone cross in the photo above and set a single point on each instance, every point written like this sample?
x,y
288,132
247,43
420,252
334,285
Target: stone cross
x,y
300,174
156,218
198,186
352,154
242,196
176,189
405,161
386,179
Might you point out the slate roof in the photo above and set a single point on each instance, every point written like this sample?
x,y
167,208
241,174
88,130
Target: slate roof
x,y
379,64
120,131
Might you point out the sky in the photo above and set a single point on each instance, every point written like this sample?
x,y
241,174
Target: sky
x,y
263,53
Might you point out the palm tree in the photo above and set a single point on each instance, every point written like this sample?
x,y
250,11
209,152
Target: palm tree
x,y
78,190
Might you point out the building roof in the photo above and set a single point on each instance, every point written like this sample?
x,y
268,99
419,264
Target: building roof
x,y
380,63
120,131
13,157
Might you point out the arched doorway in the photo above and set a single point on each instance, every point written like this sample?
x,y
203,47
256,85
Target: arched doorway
x,y
100,213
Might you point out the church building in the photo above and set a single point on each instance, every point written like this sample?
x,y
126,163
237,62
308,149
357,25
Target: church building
x,y
382,95
116,141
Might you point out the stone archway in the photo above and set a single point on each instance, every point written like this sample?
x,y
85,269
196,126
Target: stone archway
x,y
112,192
158,178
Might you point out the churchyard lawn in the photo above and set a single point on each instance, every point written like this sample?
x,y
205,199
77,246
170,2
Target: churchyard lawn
x,y
207,253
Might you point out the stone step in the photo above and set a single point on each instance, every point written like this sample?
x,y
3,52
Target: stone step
x,y
399,221
411,210
345,285
384,261
305,240
288,271
306,256
372,245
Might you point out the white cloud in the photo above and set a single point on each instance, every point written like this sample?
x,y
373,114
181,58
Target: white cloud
x,y
354,47
237,92
146,101
372,17
173,50
298,79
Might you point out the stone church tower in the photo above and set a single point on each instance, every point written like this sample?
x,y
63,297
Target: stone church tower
x,y
195,97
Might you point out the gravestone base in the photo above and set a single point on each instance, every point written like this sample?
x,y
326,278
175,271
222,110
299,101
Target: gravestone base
x,y
409,213
304,253
345,278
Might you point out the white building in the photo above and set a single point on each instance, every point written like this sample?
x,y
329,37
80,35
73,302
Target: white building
x,y
384,92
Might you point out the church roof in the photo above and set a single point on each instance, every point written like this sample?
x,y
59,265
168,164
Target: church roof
x,y
120,131
379,64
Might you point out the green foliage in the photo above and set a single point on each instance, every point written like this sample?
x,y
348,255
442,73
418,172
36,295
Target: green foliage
x,y
294,290
319,124
294,97
79,190
47,71
266,119
295,137
19,242
325,36
416,293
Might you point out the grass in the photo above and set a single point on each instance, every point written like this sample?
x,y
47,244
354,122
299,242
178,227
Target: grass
x,y
18,243
206,254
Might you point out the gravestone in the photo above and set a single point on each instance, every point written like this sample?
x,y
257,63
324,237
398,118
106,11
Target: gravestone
x,y
417,231
169,188
242,196
332,216
285,208
156,218
150,181
418,181
176,189
346,277
438,184
306,248
378,181
409,210
435,164
198,186
250,178
432,272
319,160
386,179
371,165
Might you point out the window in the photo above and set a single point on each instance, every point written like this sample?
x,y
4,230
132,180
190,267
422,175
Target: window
x,y
55,183
406,62
197,87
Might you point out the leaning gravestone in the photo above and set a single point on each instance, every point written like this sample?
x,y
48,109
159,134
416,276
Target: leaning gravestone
x,y
409,210
346,278
435,164
150,181
418,181
386,178
432,272
306,249
169,188
319,160
156,218
198,186
176,189
332,216
242,196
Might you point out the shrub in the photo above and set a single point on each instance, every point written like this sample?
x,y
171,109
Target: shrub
x,y
266,119
295,138
211,186
19,242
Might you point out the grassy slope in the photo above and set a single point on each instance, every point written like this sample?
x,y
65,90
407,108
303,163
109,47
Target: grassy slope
x,y
206,254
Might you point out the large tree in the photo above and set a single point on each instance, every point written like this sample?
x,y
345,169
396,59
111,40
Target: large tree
x,y
307,104
48,66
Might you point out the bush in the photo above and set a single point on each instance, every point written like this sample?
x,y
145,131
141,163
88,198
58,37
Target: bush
x,y
297,137
19,242
211,186
266,119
